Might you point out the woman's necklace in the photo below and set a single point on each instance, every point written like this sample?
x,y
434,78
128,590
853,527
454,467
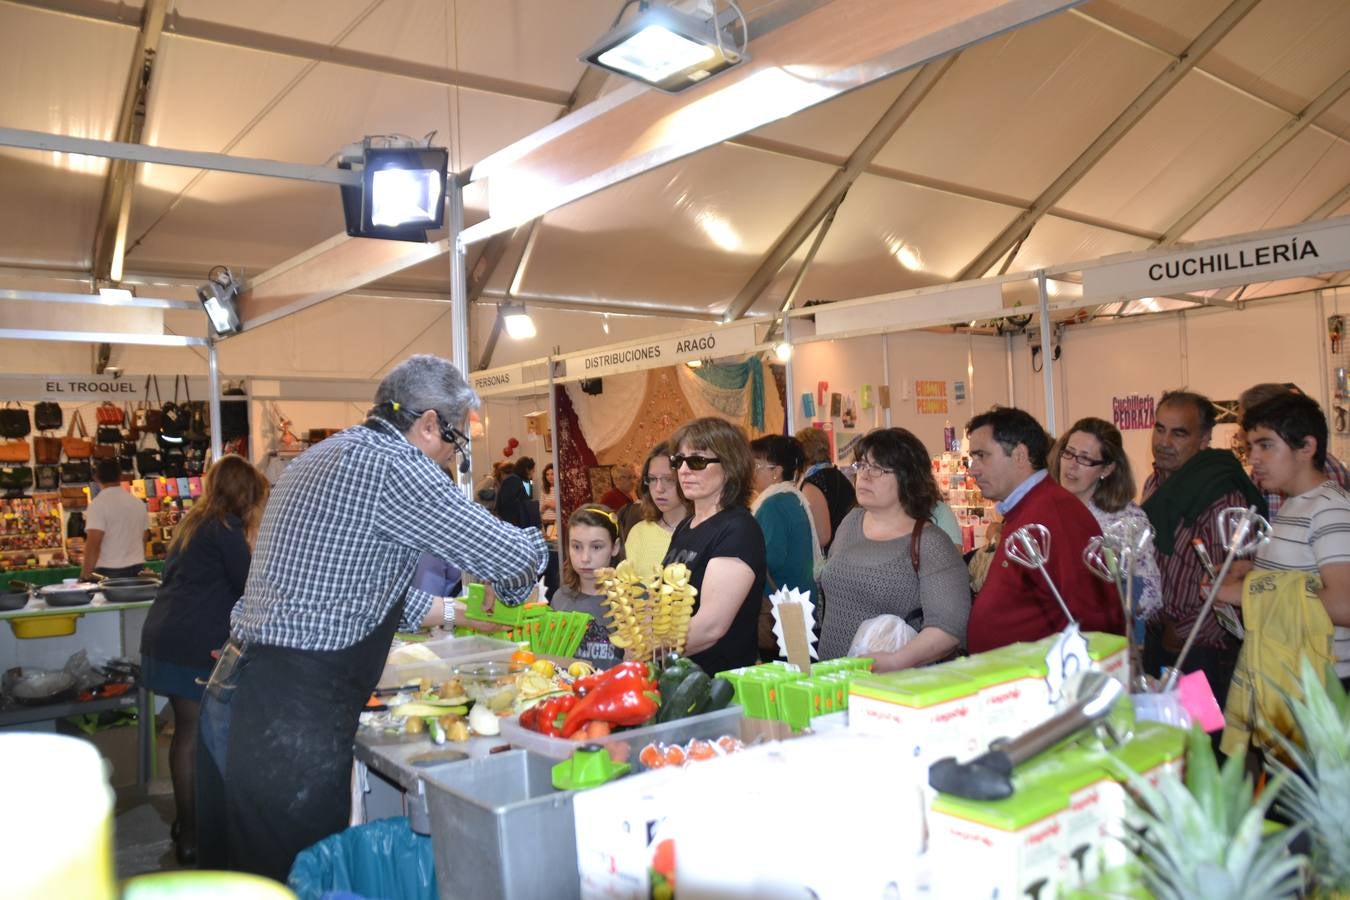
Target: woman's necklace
x,y
669,525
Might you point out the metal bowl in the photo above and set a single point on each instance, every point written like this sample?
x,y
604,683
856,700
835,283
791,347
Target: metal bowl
x,y
129,590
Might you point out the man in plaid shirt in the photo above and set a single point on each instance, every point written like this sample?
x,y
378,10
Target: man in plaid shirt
x,y
330,582
1190,484
1256,395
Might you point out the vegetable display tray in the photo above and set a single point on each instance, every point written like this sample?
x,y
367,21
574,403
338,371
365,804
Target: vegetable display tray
x,y
625,745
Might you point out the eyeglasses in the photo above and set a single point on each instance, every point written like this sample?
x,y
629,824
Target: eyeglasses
x,y
1066,454
652,481
696,463
870,469
449,433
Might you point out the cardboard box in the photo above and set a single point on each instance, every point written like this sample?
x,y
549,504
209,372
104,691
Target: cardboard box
x,y
998,849
935,712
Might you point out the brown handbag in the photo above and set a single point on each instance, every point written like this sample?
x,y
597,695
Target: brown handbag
x,y
74,497
108,413
17,451
77,447
106,451
47,450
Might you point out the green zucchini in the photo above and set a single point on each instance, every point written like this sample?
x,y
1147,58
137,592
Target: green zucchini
x,y
720,695
689,698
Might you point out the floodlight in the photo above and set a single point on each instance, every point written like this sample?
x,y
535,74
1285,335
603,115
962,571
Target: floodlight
x,y
668,49
782,351
518,323
218,298
402,192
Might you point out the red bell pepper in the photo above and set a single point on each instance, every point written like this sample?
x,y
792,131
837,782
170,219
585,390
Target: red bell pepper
x,y
628,697
550,713
626,670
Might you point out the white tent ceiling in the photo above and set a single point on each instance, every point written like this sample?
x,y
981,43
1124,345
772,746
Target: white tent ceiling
x,y
294,81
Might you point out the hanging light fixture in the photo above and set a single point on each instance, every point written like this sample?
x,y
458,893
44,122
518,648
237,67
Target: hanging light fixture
x,y
782,351
402,191
518,323
218,298
668,49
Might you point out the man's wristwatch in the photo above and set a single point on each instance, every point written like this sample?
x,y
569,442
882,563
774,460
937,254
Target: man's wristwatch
x,y
447,612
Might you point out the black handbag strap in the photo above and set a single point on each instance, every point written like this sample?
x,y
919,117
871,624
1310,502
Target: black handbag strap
x,y
149,380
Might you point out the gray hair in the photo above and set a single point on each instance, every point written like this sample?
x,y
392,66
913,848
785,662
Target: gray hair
x,y
420,383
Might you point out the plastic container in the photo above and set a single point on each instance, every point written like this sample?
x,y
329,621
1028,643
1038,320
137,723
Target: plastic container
x,y
489,682
624,745
451,652
379,859
43,626
500,831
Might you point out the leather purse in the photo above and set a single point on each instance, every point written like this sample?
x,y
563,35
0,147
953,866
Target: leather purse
x,y
175,462
108,413
47,416
14,421
77,447
74,497
47,450
16,478
105,451
47,478
108,434
75,525
17,451
149,462
149,417
76,473
173,416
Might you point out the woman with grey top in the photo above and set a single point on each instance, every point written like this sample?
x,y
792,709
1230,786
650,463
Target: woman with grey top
x,y
874,567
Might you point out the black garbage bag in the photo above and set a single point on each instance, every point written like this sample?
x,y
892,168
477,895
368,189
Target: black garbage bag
x,y
381,860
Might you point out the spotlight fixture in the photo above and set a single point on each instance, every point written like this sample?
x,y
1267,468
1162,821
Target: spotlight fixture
x,y
218,298
402,192
669,49
518,323
782,351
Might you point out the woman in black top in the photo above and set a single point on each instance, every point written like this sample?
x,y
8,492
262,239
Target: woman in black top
x,y
203,578
721,543
827,490
516,502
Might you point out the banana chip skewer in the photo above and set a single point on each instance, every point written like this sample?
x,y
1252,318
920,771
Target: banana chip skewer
x,y
648,614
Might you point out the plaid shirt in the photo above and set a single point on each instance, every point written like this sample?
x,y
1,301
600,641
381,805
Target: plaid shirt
x,y
1335,470
1182,572
342,534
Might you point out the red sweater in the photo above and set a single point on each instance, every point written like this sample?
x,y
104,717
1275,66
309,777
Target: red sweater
x,y
1015,603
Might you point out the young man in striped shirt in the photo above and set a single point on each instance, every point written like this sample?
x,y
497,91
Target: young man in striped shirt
x,y
1288,439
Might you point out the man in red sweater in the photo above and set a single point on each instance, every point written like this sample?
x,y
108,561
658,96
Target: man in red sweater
x,y
1007,459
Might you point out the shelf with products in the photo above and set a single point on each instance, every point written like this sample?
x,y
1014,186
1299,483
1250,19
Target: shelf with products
x,y
31,525
973,511
167,501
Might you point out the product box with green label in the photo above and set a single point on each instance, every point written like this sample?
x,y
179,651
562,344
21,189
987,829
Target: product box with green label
x,y
1154,749
935,712
1087,820
998,849
1012,691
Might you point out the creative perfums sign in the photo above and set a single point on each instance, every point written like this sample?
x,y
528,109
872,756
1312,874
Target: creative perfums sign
x,y
729,340
930,398
1287,253
1132,412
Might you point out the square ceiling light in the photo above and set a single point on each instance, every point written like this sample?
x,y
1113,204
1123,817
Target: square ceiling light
x,y
402,193
667,49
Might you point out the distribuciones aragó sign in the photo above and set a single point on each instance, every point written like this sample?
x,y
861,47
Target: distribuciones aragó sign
x,y
728,340
1313,249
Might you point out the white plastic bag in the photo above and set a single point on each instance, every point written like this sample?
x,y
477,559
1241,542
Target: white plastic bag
x,y
882,634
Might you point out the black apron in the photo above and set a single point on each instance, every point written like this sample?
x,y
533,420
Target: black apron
x,y
292,722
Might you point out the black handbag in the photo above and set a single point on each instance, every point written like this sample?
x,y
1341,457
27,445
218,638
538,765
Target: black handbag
x,y
173,417
175,463
108,434
47,416
47,478
14,421
233,416
127,462
195,457
149,462
76,473
75,525
14,479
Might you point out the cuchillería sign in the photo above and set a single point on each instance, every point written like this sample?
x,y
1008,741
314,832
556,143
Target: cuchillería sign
x,y
1286,253
1132,412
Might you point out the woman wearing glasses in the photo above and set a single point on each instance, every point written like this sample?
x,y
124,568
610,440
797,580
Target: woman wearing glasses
x,y
876,568
662,510
720,543
1089,462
